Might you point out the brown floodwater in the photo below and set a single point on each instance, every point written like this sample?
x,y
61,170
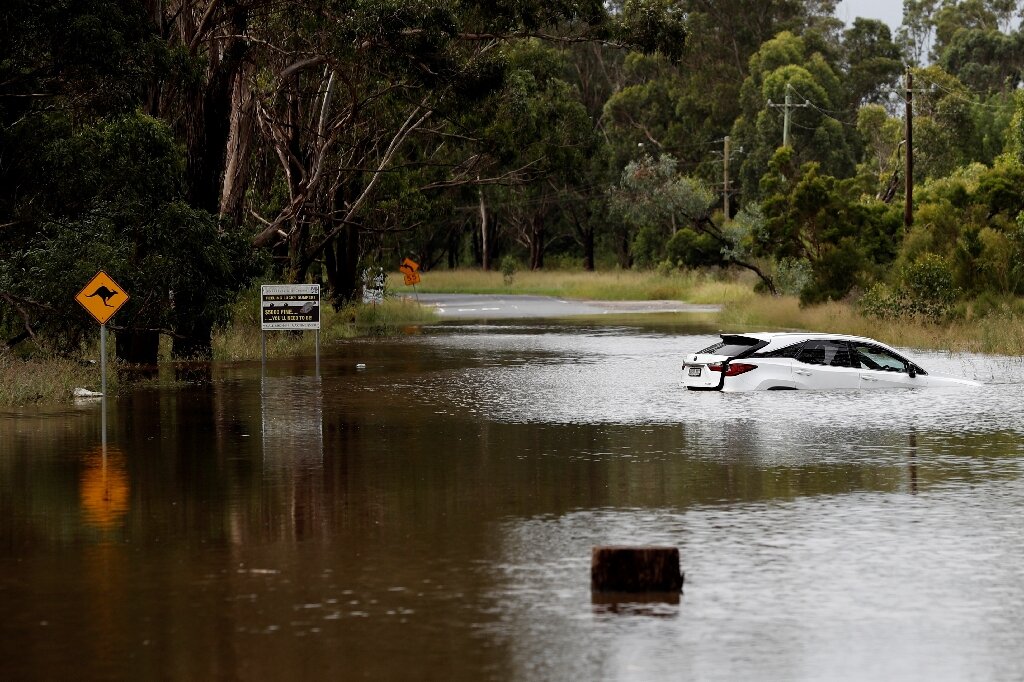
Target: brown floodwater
x,y
431,515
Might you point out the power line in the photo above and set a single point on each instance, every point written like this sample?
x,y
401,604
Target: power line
x,y
962,97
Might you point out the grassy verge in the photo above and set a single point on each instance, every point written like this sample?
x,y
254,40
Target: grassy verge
x,y
999,334
615,285
44,380
51,380
241,340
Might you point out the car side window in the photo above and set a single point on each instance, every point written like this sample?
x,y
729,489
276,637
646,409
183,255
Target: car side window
x,y
813,353
829,353
787,352
873,357
842,356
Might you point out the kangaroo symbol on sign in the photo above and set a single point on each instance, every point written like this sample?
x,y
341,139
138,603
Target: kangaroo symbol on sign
x,y
105,295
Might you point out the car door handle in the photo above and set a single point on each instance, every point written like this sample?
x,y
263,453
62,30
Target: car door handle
x,y
865,377
802,372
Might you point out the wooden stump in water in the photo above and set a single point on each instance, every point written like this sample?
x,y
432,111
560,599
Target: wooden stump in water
x,y
635,569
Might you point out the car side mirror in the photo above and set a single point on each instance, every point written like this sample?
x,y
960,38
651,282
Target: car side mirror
x,y
911,370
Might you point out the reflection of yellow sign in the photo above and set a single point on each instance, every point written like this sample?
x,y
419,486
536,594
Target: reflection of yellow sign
x,y
102,297
410,269
104,488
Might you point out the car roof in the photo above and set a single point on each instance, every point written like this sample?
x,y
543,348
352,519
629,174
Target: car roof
x,y
794,337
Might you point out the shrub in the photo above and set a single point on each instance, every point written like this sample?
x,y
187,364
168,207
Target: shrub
x,y
879,302
926,291
928,286
792,275
835,274
509,268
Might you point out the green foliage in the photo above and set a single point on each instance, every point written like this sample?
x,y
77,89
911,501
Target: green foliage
x,y
787,74
835,273
509,268
115,204
658,204
1015,132
793,275
874,60
693,250
925,291
983,59
113,139
653,26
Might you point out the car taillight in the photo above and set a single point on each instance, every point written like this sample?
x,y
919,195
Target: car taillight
x,y
732,369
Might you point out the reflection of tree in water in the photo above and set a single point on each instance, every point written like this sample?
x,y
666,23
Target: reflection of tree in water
x,y
104,488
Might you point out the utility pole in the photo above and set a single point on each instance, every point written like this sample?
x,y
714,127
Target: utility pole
x,y
908,206
725,179
786,115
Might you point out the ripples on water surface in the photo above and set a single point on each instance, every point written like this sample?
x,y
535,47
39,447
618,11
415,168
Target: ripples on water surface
x,y
432,516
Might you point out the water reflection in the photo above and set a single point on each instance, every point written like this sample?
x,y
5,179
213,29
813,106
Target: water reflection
x,y
104,487
435,512
291,410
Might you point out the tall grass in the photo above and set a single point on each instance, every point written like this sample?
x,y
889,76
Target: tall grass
x,y
242,338
44,380
743,309
997,334
612,285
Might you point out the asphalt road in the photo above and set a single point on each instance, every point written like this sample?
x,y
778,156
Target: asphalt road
x,y
495,307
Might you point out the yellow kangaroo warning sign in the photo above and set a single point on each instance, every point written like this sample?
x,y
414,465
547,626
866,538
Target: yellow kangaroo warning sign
x,y
102,297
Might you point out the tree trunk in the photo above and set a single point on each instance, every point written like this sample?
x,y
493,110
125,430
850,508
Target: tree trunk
x,y
588,249
237,166
625,254
207,131
454,241
341,260
536,241
194,340
485,244
137,347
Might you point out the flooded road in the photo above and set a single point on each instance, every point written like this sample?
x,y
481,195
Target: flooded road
x,y
431,517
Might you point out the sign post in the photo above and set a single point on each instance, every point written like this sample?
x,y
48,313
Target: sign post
x,y
289,307
102,297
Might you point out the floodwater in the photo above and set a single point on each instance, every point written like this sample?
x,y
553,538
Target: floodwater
x,y
431,517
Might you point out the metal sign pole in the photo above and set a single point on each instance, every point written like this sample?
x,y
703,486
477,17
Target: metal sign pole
x,y
102,297
318,353
103,385
263,354
103,359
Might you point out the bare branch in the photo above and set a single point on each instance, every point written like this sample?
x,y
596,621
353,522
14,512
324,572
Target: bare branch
x,y
201,28
300,65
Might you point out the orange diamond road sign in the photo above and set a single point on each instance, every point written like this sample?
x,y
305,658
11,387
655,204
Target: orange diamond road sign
x,y
102,297
410,269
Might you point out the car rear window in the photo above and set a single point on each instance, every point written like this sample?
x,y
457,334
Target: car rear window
x,y
732,346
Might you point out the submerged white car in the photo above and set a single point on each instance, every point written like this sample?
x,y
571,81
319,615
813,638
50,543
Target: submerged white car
x,y
786,361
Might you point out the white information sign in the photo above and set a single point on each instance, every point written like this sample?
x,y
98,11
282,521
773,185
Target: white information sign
x,y
290,306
